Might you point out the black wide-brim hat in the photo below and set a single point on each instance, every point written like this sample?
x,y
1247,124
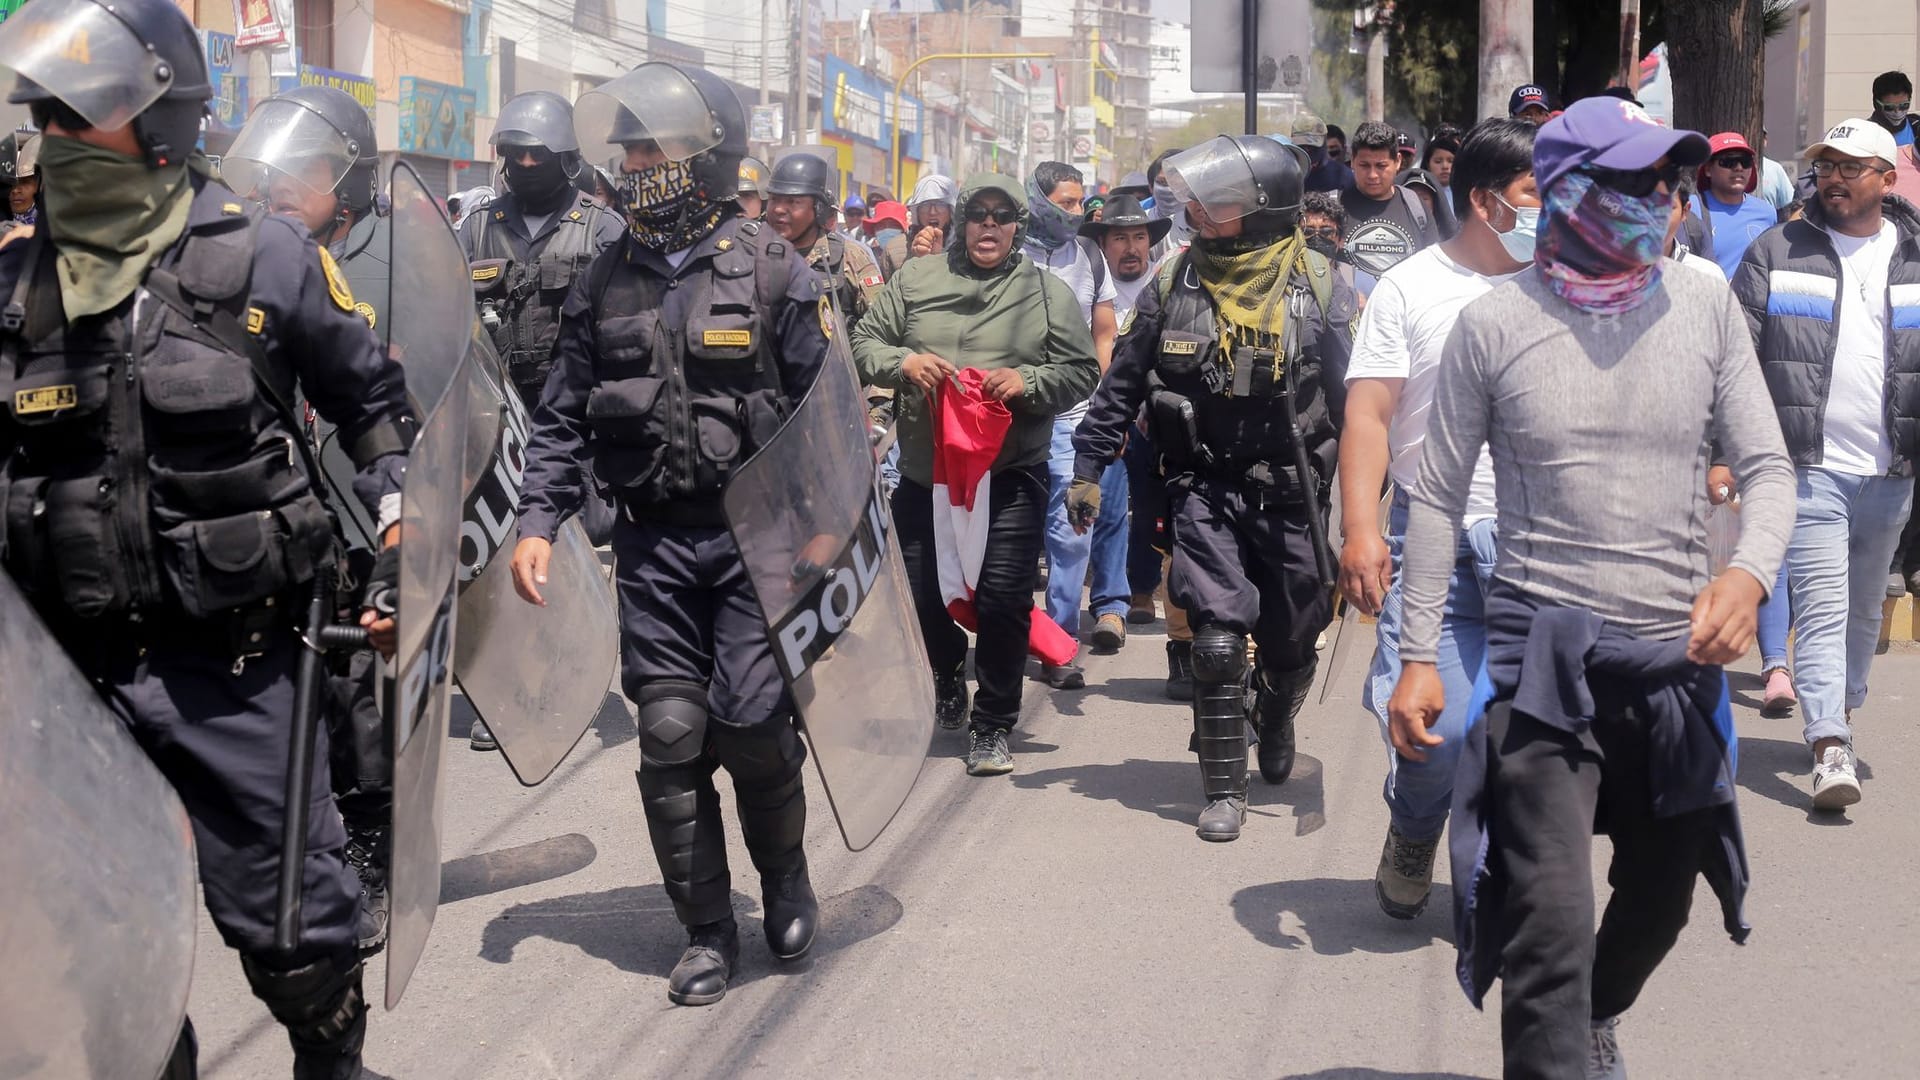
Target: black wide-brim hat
x,y
1125,212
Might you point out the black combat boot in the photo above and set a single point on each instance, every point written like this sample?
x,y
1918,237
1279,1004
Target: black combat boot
x,y
1180,670
367,853
322,1008
1220,730
765,763
1278,698
701,976
950,698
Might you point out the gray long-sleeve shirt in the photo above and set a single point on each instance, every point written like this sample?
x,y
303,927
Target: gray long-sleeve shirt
x,y
1599,430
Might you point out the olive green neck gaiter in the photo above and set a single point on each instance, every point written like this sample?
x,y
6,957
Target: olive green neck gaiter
x,y
110,218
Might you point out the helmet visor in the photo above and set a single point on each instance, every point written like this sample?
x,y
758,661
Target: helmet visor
x,y
668,108
76,51
1218,176
287,139
536,119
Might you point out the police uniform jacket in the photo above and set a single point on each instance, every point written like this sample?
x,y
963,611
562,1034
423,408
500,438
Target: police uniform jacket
x,y
671,376
145,466
526,294
1170,347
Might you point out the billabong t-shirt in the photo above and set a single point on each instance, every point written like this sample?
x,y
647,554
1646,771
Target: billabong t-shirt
x,y
1381,232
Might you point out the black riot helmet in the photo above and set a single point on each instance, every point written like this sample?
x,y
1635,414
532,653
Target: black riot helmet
x,y
801,173
83,63
1242,177
689,112
9,157
537,118
319,135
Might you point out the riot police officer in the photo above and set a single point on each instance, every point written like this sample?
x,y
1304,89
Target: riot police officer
x,y
679,354
155,510
311,154
801,209
1240,354
531,244
18,153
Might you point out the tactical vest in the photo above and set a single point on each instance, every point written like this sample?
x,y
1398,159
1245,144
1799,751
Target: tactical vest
x,y
677,408
833,263
520,300
146,471
1222,410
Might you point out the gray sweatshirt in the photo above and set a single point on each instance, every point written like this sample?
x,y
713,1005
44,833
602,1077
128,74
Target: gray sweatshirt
x,y
1599,430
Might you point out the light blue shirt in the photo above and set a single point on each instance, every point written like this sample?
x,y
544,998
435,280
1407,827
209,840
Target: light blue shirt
x,y
1733,228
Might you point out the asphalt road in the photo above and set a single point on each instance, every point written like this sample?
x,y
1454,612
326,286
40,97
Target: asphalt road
x,y
1065,921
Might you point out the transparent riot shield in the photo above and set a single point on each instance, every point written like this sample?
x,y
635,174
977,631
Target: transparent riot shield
x,y
817,537
536,675
97,885
430,335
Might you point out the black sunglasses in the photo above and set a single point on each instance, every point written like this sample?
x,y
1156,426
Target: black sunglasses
x,y
1637,183
1326,232
999,215
1734,161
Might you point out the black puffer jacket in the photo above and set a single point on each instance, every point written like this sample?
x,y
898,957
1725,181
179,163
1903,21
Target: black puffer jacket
x,y
1789,284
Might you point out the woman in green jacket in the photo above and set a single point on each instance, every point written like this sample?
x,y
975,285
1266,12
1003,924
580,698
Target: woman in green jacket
x,y
983,306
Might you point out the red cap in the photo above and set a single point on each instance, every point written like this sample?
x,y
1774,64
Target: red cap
x,y
885,212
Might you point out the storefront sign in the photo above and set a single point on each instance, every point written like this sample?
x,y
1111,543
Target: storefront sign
x,y
228,109
262,22
858,108
436,120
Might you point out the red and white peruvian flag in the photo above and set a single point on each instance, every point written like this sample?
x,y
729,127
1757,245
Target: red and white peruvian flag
x,y
968,432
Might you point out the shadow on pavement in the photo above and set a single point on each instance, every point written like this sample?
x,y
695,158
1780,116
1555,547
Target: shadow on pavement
x,y
1168,789
1304,791
509,868
1140,690
614,724
1377,1074
634,928
1778,769
1338,917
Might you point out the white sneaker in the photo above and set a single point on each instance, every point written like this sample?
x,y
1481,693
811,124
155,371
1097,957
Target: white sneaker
x,y
1834,784
1603,1051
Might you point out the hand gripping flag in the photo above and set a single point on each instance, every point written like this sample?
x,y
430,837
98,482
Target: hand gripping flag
x,y
968,433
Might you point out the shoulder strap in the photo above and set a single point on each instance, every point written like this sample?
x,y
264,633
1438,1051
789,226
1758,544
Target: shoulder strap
x,y
836,253
1099,260
1169,273
1417,208
772,272
1320,280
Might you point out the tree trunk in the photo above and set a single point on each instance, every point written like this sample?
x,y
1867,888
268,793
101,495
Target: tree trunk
x,y
1717,51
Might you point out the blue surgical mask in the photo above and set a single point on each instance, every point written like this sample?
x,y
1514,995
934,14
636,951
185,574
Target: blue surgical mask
x,y
1519,241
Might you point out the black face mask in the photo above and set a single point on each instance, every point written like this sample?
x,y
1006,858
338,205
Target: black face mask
x,y
1323,245
539,187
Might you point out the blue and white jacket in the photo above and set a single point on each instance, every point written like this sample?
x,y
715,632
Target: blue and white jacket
x,y
1789,285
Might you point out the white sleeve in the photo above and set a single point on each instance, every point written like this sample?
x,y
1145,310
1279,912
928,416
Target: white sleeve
x,y
1105,294
1380,344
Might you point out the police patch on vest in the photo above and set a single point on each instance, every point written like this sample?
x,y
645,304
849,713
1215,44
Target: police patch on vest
x,y
256,320
366,312
44,399
486,273
727,339
336,282
1177,348
826,316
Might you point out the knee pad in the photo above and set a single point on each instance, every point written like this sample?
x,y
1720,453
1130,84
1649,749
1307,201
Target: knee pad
x,y
1219,655
320,1004
673,723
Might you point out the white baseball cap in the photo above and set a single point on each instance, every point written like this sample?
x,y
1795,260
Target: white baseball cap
x,y
1859,139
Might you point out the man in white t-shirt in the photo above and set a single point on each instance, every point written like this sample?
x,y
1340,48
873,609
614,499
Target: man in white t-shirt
x,y
1390,386
1055,197
1834,305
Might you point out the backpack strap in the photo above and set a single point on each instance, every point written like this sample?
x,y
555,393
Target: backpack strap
x,y
1099,260
1418,209
1320,280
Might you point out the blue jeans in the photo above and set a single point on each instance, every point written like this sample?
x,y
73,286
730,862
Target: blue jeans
x,y
1418,793
1776,618
1843,539
1068,553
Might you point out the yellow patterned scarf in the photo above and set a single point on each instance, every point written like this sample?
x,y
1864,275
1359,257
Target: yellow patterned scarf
x,y
1250,289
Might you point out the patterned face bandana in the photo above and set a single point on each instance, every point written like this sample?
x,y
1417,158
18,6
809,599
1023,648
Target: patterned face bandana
x,y
1048,225
666,208
1600,249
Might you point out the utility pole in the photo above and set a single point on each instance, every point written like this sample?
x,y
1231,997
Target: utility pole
x,y
802,54
763,68
1506,51
964,166
1377,71
1630,45
1250,63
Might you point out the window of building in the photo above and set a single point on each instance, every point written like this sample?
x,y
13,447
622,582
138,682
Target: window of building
x,y
314,22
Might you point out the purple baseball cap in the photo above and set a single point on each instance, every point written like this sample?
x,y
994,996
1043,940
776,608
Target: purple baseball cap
x,y
1611,134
